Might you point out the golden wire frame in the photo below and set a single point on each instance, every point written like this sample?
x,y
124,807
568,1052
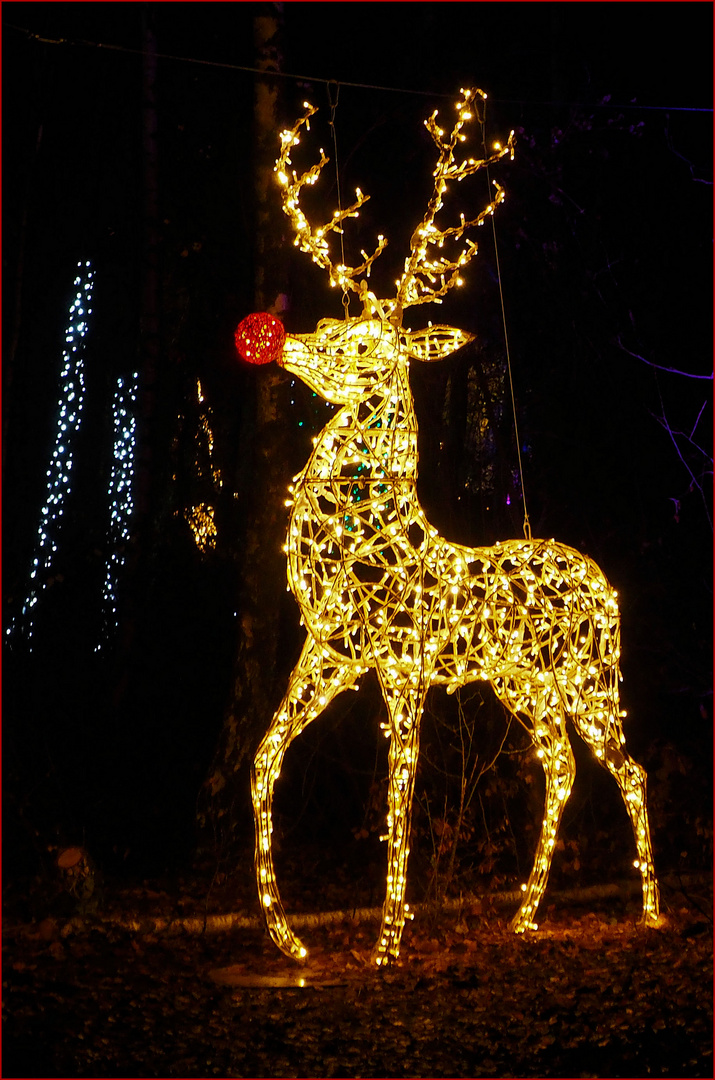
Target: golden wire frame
x,y
379,588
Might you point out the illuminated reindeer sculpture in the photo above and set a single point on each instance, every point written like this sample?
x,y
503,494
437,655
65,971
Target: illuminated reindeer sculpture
x,y
378,587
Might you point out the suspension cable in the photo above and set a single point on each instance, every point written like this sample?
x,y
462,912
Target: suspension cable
x,y
333,103
527,524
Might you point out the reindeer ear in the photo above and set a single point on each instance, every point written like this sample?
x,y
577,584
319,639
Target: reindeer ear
x,y
434,343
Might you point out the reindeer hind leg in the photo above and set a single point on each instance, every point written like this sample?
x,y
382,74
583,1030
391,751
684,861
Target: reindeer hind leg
x,y
603,732
541,713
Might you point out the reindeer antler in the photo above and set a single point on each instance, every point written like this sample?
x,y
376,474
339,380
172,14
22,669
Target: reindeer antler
x,y
426,279
311,240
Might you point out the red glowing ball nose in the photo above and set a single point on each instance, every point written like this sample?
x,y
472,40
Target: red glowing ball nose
x,y
260,338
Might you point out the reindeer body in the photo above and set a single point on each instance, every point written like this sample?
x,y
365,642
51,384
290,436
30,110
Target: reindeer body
x,y
379,588
370,573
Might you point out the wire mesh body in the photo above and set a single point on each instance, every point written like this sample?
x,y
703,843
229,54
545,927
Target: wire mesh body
x,y
379,588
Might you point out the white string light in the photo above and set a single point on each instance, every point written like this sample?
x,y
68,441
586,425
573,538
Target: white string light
x,y
67,426
121,498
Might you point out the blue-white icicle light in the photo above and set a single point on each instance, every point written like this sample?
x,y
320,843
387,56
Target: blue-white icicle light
x,y
120,492
59,469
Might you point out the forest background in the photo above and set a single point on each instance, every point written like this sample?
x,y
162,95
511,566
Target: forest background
x,y
139,682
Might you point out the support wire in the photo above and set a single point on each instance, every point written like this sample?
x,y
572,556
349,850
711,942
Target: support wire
x,y
527,524
333,103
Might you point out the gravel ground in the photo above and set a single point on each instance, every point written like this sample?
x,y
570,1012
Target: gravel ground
x,y
590,995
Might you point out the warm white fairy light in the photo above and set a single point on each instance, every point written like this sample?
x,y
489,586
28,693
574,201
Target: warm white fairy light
x,y
427,277
378,587
201,518
120,491
59,471
202,522
313,240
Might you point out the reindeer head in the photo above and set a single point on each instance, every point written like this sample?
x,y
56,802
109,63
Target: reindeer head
x,y
345,359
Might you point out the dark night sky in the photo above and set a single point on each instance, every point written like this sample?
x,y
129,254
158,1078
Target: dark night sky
x,y
606,233
73,178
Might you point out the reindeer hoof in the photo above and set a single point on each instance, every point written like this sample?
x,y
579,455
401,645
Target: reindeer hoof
x,y
522,922
382,957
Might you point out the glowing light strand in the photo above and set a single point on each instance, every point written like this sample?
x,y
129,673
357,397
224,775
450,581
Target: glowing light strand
x,y
67,427
426,277
201,518
120,493
379,588
314,241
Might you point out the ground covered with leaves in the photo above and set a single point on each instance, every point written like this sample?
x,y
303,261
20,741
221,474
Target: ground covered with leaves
x,y
590,995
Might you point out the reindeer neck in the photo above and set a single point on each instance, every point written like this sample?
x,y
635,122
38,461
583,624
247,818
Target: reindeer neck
x,y
376,437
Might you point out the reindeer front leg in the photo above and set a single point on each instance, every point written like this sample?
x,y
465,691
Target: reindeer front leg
x,y
405,712
313,684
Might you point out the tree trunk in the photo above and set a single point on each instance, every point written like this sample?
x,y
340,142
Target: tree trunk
x,y
224,799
